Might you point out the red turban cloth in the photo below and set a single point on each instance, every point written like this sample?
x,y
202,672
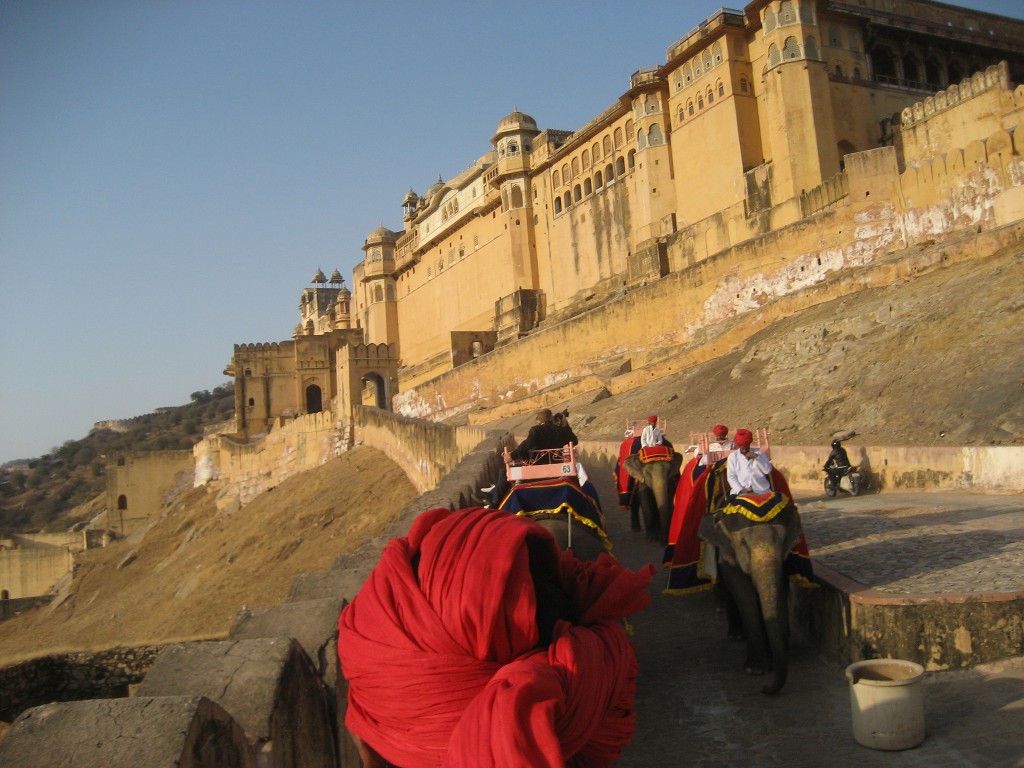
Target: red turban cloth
x,y
720,430
743,438
445,659
652,419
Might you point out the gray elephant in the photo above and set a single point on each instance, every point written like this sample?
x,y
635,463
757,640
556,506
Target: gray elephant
x,y
653,495
751,557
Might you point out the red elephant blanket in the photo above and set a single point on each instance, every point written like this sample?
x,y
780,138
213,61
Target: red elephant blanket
x,y
696,493
444,655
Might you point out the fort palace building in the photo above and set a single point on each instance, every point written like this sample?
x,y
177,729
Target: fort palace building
x,y
819,130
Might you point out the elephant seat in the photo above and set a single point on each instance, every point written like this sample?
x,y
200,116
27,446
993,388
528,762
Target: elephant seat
x,y
543,464
656,453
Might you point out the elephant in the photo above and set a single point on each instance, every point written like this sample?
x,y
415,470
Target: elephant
x,y
569,510
654,492
751,555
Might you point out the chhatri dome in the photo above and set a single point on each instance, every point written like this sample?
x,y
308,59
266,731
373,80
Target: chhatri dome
x,y
516,121
381,235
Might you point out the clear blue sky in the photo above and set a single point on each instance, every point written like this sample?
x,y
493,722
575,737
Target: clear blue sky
x,y
173,172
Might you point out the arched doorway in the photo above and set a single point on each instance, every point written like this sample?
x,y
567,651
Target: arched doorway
x,y
314,399
379,395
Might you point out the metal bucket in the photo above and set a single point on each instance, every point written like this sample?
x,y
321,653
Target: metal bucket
x,y
887,703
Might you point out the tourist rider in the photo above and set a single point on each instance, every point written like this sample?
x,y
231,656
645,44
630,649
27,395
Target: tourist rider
x,y
545,434
566,436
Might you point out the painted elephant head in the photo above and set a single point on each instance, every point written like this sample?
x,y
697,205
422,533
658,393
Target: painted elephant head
x,y
655,487
750,565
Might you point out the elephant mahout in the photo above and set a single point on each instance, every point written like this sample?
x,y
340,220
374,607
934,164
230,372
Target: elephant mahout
x,y
655,471
761,546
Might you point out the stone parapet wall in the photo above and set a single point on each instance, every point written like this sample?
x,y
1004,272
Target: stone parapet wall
x,y
890,468
32,571
71,677
246,469
426,450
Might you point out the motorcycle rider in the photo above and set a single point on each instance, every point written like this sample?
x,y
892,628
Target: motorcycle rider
x,y
838,463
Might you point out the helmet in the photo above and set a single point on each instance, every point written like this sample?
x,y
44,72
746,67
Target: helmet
x,y
836,443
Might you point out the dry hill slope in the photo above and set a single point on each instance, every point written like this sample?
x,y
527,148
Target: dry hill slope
x,y
934,360
191,572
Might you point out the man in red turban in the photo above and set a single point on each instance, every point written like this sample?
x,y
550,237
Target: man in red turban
x,y
475,642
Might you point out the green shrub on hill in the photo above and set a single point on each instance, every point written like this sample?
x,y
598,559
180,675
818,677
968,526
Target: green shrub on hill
x,y
42,494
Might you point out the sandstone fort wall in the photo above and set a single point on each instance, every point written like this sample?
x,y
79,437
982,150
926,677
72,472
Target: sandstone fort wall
x,y
139,484
759,279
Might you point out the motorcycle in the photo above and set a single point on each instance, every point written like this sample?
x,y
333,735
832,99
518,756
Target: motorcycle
x,y
847,479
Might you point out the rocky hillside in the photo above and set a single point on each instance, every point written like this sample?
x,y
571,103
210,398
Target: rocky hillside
x,y
936,360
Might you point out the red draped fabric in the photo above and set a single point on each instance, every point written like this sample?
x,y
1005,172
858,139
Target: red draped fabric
x,y
440,649
623,482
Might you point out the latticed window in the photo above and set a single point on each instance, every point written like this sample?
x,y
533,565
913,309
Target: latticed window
x,y
774,57
791,49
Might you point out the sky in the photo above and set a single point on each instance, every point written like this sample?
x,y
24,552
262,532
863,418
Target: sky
x,y
173,172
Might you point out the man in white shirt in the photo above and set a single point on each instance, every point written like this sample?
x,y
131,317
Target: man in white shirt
x,y
747,468
718,448
652,434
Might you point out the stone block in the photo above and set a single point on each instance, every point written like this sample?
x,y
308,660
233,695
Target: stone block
x,y
268,685
314,623
171,731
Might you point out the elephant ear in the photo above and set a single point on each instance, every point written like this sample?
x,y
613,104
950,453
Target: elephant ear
x,y
715,535
633,466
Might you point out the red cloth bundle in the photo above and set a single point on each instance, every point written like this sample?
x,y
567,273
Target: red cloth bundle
x,y
440,649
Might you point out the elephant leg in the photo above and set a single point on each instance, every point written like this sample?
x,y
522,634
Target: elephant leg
x,y
725,603
634,511
652,517
748,607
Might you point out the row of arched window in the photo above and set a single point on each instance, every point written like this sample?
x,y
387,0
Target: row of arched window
x,y
450,209
591,156
707,98
788,14
698,65
591,185
791,51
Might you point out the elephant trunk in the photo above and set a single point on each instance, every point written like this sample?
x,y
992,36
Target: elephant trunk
x,y
773,591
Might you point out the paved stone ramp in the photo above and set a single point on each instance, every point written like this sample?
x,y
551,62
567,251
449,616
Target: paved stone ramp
x,y
696,707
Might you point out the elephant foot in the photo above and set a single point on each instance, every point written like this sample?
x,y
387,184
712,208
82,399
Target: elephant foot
x,y
757,669
737,637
